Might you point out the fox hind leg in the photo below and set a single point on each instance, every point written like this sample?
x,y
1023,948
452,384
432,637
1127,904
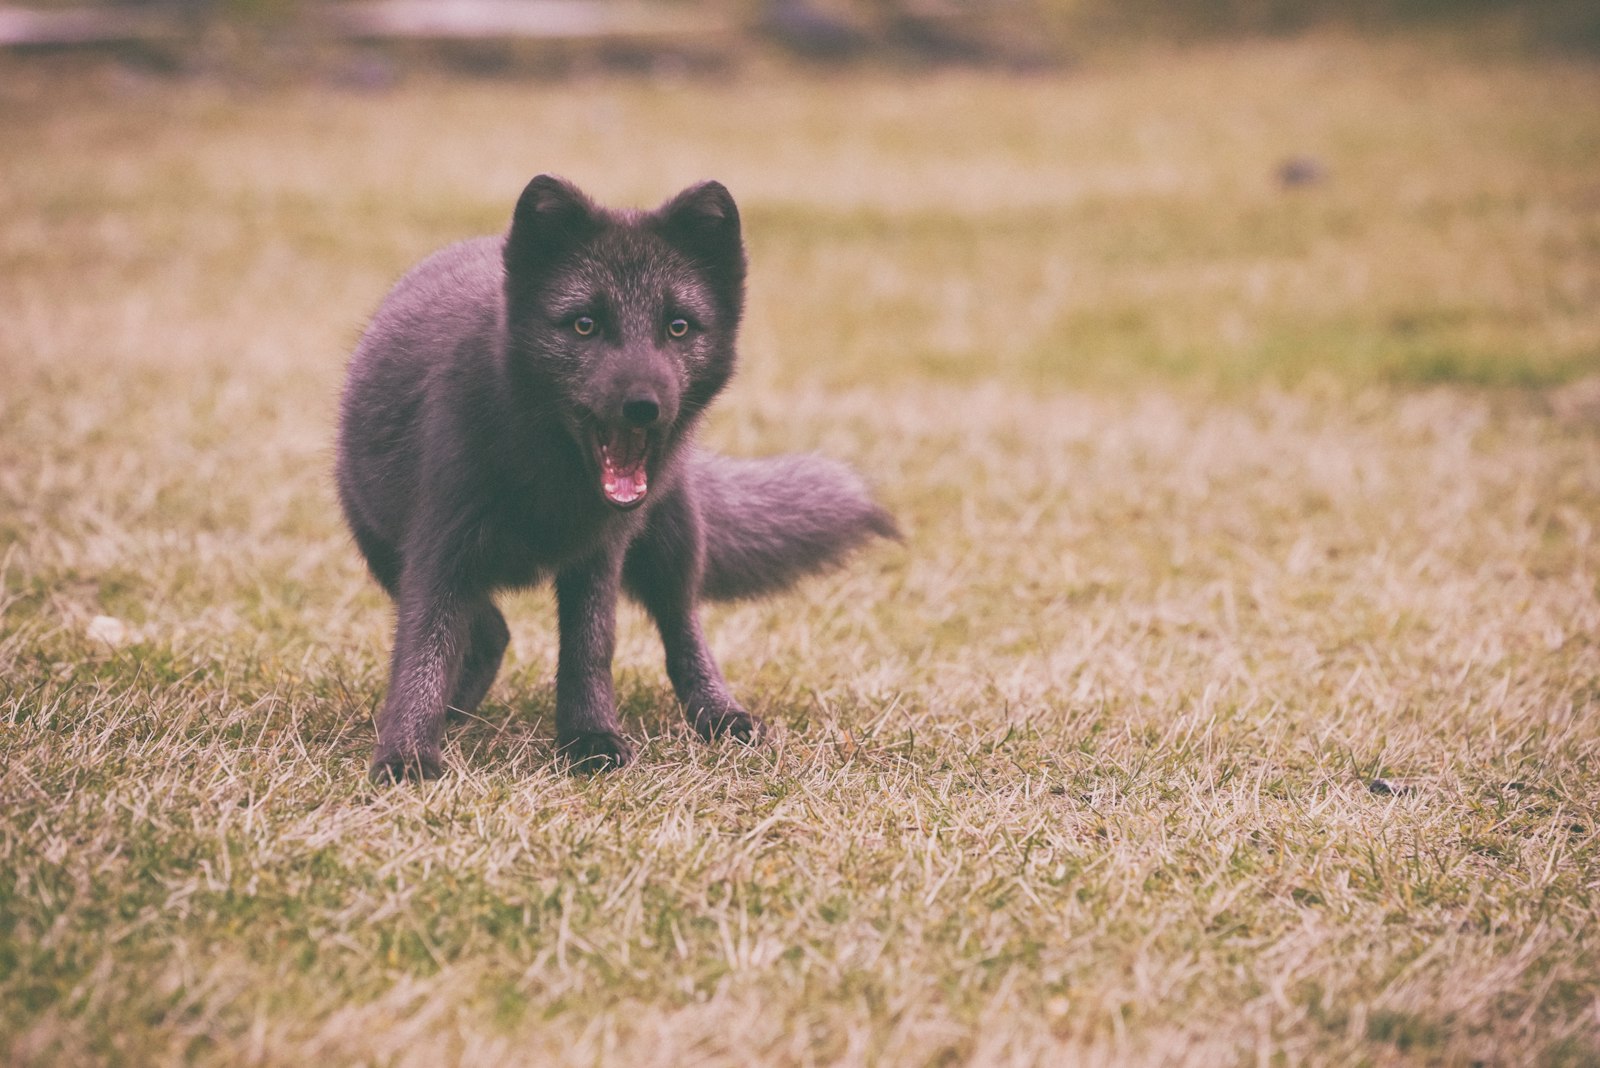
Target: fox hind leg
x,y
487,639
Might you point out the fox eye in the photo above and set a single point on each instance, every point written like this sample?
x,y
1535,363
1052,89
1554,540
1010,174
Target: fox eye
x,y
583,325
678,327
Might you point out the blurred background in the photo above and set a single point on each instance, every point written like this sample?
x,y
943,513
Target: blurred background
x,y
1045,192
372,42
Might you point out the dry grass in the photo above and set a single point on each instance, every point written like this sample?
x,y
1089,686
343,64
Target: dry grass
x,y
1223,503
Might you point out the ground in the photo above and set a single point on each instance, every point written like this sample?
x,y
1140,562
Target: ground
x,y
1231,699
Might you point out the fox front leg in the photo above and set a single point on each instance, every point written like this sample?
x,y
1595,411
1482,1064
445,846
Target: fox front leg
x,y
587,732
431,634
663,572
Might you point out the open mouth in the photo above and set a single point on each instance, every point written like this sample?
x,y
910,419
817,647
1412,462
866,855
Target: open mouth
x,y
624,453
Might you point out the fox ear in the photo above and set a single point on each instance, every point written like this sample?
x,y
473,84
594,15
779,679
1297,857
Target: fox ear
x,y
552,216
703,222
703,215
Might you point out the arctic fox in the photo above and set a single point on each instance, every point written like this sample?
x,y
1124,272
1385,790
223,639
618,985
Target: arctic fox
x,y
522,407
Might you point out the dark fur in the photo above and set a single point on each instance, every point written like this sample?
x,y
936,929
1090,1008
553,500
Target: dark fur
x,y
466,463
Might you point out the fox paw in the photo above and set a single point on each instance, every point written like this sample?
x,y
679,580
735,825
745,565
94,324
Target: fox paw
x,y
590,751
390,765
727,721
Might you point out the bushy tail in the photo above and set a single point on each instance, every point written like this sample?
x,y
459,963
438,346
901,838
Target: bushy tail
x,y
769,522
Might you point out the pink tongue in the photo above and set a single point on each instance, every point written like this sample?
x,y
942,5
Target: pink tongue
x,y
623,478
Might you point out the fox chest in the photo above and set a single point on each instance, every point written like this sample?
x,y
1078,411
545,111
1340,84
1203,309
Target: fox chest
x,y
529,543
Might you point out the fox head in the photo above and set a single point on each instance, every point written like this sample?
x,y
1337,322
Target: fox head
x,y
623,323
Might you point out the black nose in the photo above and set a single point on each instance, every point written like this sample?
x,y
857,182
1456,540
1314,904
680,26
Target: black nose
x,y
641,411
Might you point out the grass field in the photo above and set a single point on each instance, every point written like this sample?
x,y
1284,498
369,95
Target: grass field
x,y
1232,699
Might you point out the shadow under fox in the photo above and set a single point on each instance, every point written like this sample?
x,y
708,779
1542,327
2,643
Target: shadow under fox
x,y
522,408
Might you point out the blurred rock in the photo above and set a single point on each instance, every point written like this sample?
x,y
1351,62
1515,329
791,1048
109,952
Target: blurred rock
x,y
108,629
1298,171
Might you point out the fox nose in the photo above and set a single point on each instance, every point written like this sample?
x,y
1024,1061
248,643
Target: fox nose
x,y
641,411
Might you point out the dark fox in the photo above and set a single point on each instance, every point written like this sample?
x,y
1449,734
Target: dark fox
x,y
522,408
